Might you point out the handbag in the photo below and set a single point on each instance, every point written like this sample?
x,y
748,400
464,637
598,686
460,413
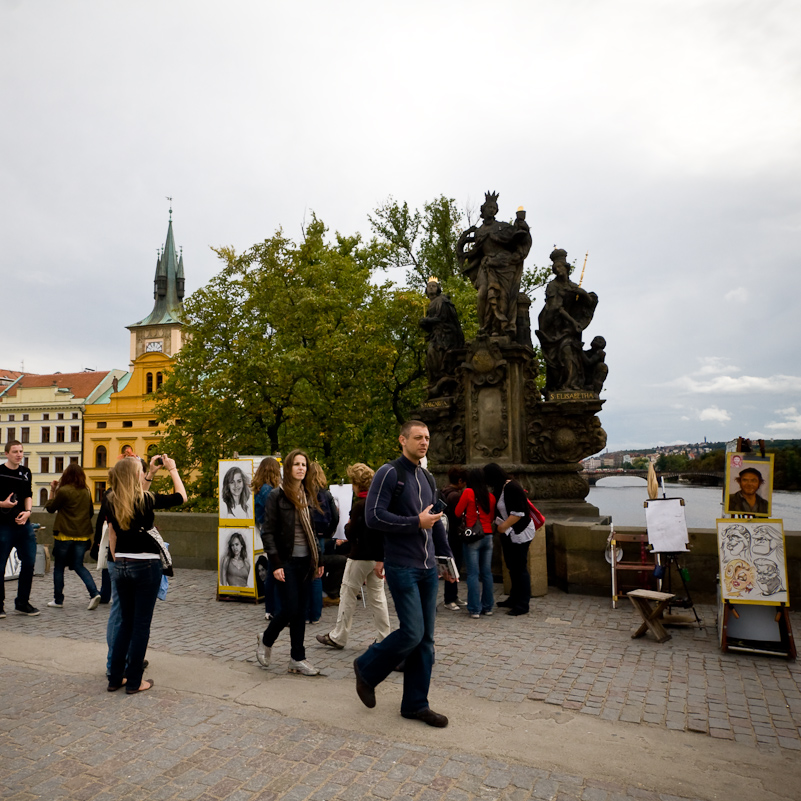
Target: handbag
x,y
164,553
473,533
537,517
102,553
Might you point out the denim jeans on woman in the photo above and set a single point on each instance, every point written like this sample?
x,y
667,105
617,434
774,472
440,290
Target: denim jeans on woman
x,y
478,564
137,582
70,553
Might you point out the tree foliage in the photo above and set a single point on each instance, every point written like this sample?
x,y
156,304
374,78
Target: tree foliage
x,y
292,345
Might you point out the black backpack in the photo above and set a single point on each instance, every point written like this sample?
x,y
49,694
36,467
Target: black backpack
x,y
400,475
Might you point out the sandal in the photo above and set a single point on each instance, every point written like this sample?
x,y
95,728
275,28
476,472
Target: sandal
x,y
141,689
112,688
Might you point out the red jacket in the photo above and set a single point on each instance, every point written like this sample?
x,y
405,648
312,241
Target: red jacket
x,y
467,506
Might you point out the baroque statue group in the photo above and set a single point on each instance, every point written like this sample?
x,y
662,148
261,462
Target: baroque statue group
x,y
489,398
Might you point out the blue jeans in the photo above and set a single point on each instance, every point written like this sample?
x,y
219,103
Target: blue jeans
x,y
137,582
70,553
414,591
294,594
478,562
24,540
114,616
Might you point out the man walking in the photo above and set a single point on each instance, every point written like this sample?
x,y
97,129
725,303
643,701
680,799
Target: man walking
x,y
399,504
16,530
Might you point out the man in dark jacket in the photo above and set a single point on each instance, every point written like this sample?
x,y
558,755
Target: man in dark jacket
x,y
413,537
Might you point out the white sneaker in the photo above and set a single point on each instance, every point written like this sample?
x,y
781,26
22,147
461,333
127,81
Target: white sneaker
x,y
268,615
55,605
454,607
94,603
304,668
461,602
263,653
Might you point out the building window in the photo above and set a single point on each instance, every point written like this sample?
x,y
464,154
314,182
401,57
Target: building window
x,y
25,417
127,423
74,460
75,415
100,491
12,434
46,434
45,416
101,424
149,382
42,497
59,464
152,423
100,456
45,464
11,418
61,415
25,435
59,433
158,380
75,434
25,462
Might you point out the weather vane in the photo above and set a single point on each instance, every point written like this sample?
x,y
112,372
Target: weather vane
x,y
170,199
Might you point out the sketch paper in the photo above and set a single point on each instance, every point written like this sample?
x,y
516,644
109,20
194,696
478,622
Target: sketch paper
x,y
666,525
748,476
753,568
343,495
236,575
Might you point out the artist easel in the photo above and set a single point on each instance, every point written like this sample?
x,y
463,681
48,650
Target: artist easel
x,y
666,562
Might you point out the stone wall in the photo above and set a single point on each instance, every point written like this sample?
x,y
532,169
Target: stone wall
x,y
576,560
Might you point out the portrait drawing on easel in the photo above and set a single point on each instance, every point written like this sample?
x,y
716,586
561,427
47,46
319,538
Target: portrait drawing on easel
x,y
749,484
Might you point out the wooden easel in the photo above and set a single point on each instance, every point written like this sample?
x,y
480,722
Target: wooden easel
x,y
785,647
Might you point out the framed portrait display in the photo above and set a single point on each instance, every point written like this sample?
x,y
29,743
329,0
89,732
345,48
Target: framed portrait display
x,y
234,492
236,574
753,567
749,484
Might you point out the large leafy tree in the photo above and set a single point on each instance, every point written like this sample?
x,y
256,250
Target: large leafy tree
x,y
292,345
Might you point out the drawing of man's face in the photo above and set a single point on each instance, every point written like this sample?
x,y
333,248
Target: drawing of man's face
x,y
768,576
762,543
735,542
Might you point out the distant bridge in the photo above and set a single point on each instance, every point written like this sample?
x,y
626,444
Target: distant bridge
x,y
709,477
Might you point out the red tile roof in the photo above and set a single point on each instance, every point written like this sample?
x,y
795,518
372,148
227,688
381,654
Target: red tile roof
x,y
80,384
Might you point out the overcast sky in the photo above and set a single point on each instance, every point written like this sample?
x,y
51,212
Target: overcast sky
x,y
662,137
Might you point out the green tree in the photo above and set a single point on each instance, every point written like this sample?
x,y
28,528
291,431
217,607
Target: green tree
x,y
292,345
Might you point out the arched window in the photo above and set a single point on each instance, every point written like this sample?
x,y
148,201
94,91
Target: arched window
x,y
42,497
149,380
100,456
158,380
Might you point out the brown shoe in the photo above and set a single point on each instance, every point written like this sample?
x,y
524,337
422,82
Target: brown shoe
x,y
428,716
365,692
325,639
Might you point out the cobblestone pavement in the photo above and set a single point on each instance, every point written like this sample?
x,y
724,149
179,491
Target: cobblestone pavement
x,y
83,744
571,651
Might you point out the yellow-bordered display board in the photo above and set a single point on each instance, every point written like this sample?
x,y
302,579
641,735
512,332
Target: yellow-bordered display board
x,y
236,560
749,484
235,495
753,564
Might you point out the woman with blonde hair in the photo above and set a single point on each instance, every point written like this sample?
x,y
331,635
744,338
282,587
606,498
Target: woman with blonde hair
x,y
325,522
365,565
291,547
738,578
71,500
135,563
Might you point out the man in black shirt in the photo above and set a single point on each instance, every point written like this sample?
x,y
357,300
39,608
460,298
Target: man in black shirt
x,y
16,531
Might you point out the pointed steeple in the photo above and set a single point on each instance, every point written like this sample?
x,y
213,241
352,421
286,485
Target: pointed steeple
x,y
168,286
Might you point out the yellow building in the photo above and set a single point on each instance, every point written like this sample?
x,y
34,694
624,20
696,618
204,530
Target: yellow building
x,y
124,415
46,414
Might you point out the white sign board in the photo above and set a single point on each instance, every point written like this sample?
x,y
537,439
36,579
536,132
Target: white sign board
x,y
666,525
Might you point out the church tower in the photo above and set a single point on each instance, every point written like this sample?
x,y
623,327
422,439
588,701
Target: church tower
x,y
162,330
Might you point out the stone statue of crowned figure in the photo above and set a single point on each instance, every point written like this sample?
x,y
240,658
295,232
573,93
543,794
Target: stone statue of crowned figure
x,y
491,256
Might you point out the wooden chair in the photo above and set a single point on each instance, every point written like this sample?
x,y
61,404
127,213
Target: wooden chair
x,y
644,567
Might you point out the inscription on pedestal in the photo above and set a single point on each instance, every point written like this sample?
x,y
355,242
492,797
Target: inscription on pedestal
x,y
563,395
437,403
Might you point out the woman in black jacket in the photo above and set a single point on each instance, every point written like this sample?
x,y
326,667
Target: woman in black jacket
x,y
291,546
517,530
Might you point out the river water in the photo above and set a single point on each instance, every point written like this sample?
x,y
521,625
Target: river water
x,y
621,497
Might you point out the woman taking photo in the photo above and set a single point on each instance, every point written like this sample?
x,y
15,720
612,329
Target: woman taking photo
x,y
477,504
517,530
291,547
136,564
71,500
